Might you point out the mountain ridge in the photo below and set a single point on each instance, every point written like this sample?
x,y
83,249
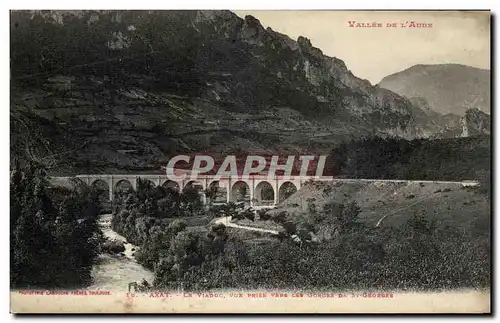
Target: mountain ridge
x,y
449,88
137,87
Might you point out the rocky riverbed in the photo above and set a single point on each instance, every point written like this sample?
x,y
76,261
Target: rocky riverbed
x,y
114,272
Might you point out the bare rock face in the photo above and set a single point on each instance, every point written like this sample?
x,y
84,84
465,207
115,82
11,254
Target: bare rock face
x,y
475,123
252,31
306,47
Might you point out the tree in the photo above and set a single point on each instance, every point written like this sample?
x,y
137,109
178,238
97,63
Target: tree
x,y
52,228
242,192
191,200
211,193
344,216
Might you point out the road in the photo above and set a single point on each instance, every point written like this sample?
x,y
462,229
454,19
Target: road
x,y
227,222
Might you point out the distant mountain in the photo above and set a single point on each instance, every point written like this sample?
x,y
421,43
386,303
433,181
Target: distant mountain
x,y
105,91
448,88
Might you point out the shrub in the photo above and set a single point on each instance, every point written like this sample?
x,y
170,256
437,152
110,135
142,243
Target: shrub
x,y
264,215
279,217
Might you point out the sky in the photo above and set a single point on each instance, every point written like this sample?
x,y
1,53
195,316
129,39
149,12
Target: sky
x,y
372,53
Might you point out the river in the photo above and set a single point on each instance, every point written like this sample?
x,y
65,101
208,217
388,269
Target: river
x,y
115,272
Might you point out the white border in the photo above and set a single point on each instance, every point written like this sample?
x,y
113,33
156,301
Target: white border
x,y
256,4
186,4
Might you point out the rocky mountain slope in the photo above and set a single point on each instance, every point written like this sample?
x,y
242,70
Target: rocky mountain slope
x,y
448,88
475,123
123,91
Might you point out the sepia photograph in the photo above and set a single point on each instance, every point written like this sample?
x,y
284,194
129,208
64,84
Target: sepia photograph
x,y
230,161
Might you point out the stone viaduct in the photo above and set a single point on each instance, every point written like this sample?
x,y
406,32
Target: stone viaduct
x,y
256,190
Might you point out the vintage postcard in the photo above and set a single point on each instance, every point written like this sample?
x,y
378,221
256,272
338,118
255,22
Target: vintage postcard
x,y
250,161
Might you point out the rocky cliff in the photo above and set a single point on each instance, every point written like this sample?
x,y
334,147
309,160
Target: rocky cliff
x,y
110,91
475,123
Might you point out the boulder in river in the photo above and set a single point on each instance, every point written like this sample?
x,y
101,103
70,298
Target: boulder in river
x,y
113,246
